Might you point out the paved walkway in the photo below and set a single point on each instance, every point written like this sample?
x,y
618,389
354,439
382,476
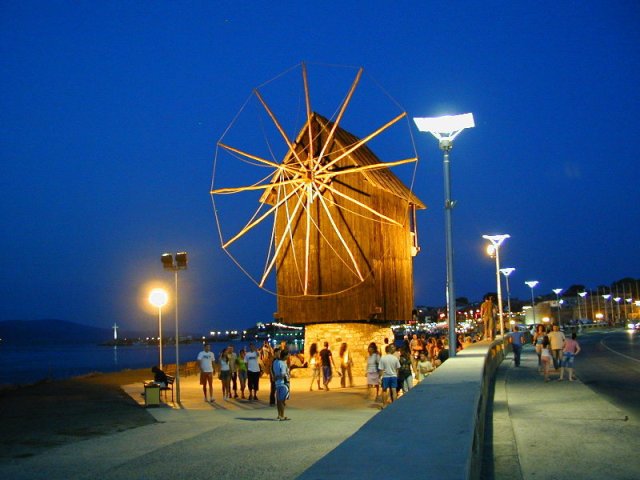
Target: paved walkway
x,y
557,430
234,439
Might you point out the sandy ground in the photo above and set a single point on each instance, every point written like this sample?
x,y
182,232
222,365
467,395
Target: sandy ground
x,y
37,417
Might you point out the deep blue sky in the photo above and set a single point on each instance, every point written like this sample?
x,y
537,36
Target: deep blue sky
x,y
110,113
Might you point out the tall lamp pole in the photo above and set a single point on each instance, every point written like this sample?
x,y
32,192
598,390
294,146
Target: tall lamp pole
x,y
584,300
446,129
605,298
158,298
557,291
180,263
506,272
532,284
496,241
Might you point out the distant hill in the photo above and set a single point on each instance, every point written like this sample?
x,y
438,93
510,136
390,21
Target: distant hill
x,y
21,332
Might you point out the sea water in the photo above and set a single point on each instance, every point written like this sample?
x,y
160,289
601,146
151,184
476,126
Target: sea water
x,y
22,365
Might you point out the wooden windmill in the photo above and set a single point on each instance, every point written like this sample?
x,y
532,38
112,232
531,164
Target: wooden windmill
x,y
343,229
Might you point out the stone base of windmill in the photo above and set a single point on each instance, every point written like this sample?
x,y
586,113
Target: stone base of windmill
x,y
357,336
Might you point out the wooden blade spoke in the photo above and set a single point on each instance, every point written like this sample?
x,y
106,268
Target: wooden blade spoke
x,y
307,99
360,204
358,144
290,144
290,221
264,161
342,240
343,108
248,188
254,223
358,169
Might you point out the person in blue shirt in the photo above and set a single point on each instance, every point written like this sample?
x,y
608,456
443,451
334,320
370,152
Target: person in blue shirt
x,y
516,338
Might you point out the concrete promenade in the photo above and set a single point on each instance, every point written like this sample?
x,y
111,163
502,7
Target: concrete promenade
x,y
540,430
556,430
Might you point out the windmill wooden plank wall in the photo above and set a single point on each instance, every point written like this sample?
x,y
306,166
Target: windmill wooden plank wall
x,y
381,250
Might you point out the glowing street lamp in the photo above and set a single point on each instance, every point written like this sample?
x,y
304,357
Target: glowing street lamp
x,y
446,129
617,300
532,284
494,249
180,263
605,298
158,298
583,294
506,272
557,291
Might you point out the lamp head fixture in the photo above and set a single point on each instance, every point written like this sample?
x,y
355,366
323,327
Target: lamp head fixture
x,y
507,271
557,291
445,128
496,240
532,283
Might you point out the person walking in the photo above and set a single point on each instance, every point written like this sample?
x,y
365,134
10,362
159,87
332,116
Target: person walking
x,y
388,368
272,376
557,339
253,371
546,357
233,369
373,373
281,379
225,373
516,339
241,369
570,350
487,312
345,366
316,366
327,365
205,361
406,372
538,338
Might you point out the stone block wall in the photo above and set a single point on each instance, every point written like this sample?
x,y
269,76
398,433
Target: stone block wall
x,y
358,336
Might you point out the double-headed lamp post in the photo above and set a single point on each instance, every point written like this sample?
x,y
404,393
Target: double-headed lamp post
x,y
446,129
494,248
557,291
180,263
158,298
531,284
506,272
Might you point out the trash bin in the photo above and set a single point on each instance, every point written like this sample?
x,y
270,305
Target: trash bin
x,y
151,394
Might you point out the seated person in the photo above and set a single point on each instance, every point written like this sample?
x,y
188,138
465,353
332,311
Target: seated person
x,y
296,360
159,376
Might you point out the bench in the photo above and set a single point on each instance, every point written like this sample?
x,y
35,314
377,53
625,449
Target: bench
x,y
170,380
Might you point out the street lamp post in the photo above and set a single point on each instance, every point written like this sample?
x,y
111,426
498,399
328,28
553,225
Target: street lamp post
x,y
180,263
496,241
607,317
532,284
557,291
158,298
506,272
618,317
446,129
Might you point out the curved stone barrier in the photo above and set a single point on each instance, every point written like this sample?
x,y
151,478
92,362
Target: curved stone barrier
x,y
437,427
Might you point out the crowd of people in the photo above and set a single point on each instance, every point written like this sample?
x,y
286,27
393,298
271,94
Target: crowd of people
x,y
391,373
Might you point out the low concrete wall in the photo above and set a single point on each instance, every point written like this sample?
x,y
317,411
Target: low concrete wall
x,y
437,426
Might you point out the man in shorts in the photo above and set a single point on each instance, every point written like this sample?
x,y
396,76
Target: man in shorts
x,y
388,367
205,362
281,378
